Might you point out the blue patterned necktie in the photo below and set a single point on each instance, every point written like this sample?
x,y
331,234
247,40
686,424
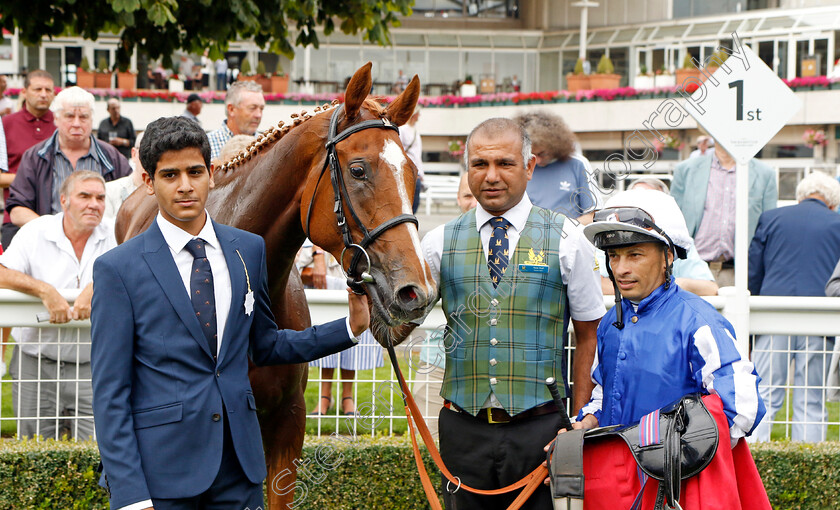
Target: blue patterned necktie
x,y
497,252
201,292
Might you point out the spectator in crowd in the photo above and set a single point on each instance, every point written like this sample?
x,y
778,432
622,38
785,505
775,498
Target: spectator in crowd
x,y
691,273
832,288
400,83
320,270
482,249
25,128
244,105
118,190
514,83
210,454
793,253
413,144
117,130
704,143
193,108
232,148
6,103
704,188
51,253
203,72
221,74
185,71
466,200
560,182
657,345
35,190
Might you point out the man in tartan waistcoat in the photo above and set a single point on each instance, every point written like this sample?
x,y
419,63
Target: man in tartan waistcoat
x,y
510,275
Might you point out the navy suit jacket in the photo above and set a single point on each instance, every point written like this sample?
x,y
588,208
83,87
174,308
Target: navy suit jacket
x,y
794,250
158,394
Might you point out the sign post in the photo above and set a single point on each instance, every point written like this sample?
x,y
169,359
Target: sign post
x,y
742,106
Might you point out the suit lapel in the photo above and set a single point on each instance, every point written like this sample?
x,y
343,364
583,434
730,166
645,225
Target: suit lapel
x,y
238,286
159,259
702,173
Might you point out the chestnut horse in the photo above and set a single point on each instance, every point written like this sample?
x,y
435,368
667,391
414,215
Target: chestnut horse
x,y
283,187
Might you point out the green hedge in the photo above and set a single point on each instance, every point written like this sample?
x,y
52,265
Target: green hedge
x,y
365,473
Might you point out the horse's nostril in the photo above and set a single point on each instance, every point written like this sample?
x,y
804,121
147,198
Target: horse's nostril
x,y
408,294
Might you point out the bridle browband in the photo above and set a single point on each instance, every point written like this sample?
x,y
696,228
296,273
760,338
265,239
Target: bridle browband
x,y
355,279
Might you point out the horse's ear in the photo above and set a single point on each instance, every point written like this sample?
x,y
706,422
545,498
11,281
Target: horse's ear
x,y
402,108
357,90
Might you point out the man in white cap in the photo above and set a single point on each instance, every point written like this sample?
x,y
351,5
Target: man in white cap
x,y
660,342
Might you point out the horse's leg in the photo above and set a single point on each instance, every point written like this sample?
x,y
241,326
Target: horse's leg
x,y
279,395
282,422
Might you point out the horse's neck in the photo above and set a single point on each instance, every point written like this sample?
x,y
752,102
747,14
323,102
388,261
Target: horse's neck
x,y
265,199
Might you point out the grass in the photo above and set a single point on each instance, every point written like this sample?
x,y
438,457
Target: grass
x,y
781,431
374,409
8,428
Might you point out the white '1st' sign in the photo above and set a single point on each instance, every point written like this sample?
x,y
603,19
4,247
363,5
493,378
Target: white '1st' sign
x,y
743,104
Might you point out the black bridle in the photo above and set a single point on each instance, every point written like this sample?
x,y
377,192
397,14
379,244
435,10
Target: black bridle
x,y
355,279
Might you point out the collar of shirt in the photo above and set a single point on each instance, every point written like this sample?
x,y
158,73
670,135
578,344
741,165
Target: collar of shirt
x,y
716,165
177,238
516,215
28,117
91,150
56,233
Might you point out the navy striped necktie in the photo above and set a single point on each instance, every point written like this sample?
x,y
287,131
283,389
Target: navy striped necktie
x,y
497,253
202,294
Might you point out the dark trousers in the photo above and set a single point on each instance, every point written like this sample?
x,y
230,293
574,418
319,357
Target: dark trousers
x,y
7,232
231,490
490,456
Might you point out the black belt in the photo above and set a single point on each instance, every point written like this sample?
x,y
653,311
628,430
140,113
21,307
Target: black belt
x,y
499,415
718,264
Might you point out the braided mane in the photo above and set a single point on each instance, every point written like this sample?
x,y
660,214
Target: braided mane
x,y
272,135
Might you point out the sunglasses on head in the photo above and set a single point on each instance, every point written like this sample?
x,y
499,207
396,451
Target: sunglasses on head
x,y
630,215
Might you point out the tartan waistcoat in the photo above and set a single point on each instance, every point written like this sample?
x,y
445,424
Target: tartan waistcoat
x,y
508,339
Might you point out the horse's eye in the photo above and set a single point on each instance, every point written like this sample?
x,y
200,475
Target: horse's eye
x,y
357,170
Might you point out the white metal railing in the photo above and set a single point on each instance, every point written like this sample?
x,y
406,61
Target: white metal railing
x,y
376,396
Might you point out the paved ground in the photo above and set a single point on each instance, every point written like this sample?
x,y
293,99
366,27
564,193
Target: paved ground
x,y
440,215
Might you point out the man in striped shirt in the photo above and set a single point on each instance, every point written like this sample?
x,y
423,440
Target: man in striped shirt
x,y
44,166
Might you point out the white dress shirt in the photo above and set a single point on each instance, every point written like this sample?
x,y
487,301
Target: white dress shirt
x,y
42,250
177,240
578,265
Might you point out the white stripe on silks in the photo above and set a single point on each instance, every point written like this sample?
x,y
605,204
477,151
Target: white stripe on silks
x,y
746,394
704,341
595,402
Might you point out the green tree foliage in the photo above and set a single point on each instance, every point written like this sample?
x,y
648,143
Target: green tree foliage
x,y
160,27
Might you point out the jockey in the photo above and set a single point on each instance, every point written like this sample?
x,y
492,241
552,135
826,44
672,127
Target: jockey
x,y
660,342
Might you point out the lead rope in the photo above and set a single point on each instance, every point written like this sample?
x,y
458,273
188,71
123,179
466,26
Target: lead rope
x,y
528,484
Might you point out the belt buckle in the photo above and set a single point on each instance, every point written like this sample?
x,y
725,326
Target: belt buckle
x,y
716,265
490,416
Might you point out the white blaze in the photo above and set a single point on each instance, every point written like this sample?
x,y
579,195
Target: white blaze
x,y
393,154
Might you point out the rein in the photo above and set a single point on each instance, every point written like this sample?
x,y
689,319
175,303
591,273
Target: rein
x,y
528,484
341,198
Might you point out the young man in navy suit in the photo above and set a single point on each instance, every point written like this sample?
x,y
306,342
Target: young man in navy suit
x,y
177,310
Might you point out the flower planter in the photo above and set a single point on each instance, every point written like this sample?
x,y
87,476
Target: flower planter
x,y
468,90
575,82
279,84
84,79
709,70
664,80
687,74
643,82
102,80
127,81
604,81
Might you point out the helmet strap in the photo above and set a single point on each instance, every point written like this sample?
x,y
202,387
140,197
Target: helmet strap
x,y
619,313
669,266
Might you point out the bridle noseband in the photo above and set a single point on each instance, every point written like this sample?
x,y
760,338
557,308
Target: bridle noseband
x,y
355,279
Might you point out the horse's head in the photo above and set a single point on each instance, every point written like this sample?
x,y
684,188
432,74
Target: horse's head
x,y
374,180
